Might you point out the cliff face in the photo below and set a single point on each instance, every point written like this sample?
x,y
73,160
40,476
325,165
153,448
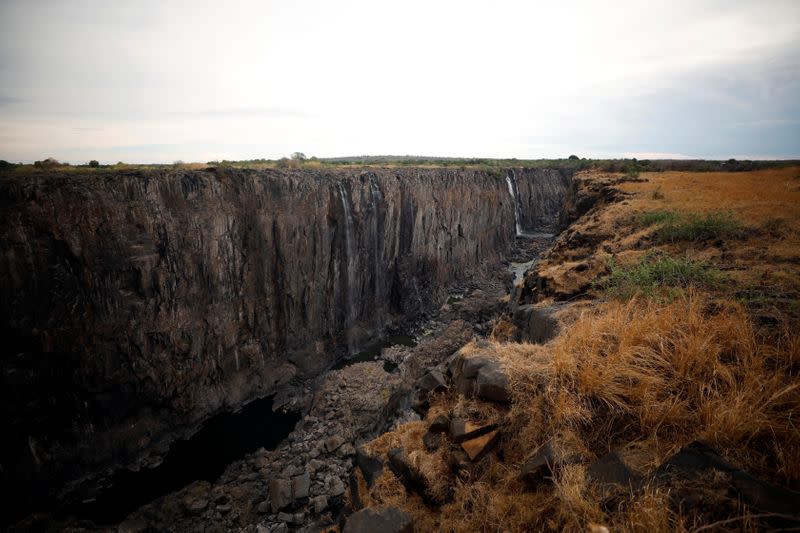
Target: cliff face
x,y
134,303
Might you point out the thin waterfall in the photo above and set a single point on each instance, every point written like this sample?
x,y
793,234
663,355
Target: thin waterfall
x,y
511,180
377,198
350,262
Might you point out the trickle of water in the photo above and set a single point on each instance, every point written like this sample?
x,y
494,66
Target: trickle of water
x,y
377,198
511,181
349,260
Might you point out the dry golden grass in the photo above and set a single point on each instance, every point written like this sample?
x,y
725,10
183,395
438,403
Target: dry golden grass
x,y
638,373
646,375
755,197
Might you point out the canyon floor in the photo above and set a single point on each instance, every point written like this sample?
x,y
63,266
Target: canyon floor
x,y
641,376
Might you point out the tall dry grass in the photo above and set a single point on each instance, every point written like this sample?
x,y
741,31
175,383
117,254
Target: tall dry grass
x,y
640,374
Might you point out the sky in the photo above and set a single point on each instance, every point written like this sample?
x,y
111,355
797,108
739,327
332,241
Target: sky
x,y
161,81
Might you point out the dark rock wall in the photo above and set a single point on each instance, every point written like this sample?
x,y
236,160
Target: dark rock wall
x,y
140,302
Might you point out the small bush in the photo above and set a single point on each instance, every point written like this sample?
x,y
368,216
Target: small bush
x,y
657,217
94,163
656,274
776,227
657,194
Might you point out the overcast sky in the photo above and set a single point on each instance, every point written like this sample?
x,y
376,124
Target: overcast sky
x,y
159,81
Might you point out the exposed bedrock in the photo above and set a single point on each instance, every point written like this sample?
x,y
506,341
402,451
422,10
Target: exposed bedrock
x,y
135,303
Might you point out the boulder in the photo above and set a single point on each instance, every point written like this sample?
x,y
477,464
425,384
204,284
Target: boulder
x,y
478,447
492,384
541,465
319,503
371,467
458,461
440,424
432,381
545,462
300,486
379,519
412,478
535,324
335,487
280,493
346,450
263,507
461,429
614,474
196,506
431,441
333,442
482,376
697,474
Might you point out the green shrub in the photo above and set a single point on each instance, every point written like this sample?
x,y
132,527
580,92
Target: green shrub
x,y
676,227
656,274
657,217
700,227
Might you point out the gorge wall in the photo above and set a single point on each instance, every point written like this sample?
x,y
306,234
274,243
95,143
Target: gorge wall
x,y
138,302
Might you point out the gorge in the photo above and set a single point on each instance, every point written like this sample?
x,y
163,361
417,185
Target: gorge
x,y
140,303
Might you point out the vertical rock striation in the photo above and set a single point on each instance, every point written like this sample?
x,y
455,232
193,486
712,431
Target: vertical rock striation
x,y
135,303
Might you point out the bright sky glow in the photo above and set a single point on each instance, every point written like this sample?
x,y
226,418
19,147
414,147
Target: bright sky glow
x,y
158,81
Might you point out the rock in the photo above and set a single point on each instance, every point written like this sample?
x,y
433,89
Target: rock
x,y
336,487
540,466
535,324
458,461
492,384
261,528
687,474
300,486
432,381
478,447
221,498
613,475
461,429
280,493
333,442
371,467
481,376
440,424
431,441
412,478
379,519
196,506
401,466
319,503
133,525
280,528
346,450
263,507
224,508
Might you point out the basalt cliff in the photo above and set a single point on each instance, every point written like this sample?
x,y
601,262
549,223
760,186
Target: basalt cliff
x,y
136,304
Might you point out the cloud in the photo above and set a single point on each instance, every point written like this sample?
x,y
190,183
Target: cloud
x,y
9,100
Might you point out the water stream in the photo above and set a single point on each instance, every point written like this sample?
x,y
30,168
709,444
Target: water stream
x,y
350,263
